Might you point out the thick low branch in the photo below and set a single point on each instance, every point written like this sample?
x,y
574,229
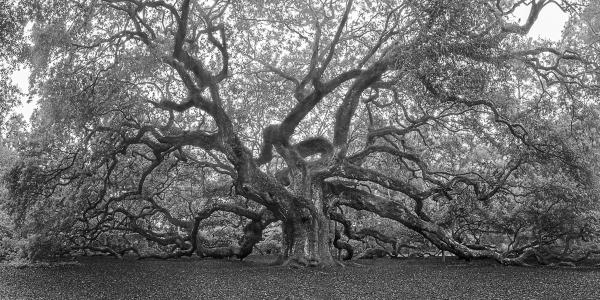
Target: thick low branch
x,y
351,171
252,235
341,245
363,233
232,208
362,200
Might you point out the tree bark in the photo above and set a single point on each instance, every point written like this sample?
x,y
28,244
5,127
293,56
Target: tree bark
x,y
307,229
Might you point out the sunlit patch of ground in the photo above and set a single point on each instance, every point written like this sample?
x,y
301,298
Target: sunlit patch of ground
x,y
108,278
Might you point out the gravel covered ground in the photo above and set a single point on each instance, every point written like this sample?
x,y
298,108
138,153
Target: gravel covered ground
x,y
107,278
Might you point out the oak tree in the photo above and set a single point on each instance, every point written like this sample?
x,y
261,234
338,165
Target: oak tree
x,y
442,116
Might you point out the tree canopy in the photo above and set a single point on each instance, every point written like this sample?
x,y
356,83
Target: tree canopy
x,y
441,117
12,53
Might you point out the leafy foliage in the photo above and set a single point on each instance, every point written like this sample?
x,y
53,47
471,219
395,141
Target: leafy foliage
x,y
12,55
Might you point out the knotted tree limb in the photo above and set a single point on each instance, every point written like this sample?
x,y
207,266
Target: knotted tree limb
x,y
363,233
300,151
362,200
252,234
339,244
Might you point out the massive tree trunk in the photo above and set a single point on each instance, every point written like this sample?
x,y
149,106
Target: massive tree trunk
x,y
306,241
306,227
297,199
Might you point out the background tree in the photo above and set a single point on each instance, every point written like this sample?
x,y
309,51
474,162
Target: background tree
x,y
12,55
155,116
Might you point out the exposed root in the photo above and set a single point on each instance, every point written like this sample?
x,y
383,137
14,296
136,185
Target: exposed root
x,y
539,257
295,263
374,253
108,250
302,262
354,264
174,255
218,252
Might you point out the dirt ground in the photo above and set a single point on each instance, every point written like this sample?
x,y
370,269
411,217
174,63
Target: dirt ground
x,y
109,278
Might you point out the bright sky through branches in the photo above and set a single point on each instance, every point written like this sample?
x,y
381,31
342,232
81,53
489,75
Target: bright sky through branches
x,y
549,26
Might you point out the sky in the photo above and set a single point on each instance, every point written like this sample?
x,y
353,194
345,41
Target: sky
x,y
549,26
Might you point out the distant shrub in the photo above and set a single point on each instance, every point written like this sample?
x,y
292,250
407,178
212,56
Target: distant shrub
x,y
43,247
33,248
269,247
13,249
